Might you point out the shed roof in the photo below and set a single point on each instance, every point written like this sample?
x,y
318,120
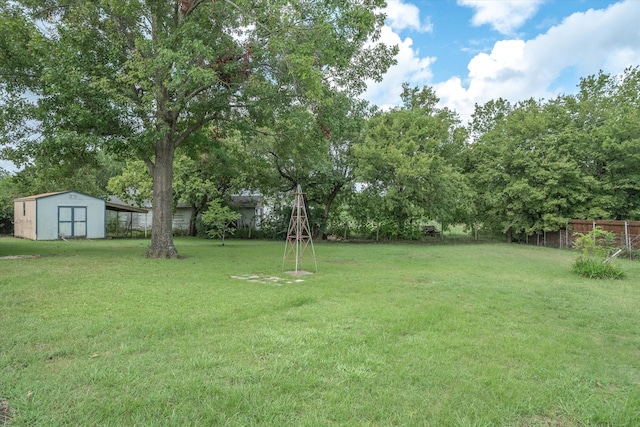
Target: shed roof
x,y
37,196
40,196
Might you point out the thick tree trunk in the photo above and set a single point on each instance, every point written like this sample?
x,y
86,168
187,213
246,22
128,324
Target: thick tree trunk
x,y
162,224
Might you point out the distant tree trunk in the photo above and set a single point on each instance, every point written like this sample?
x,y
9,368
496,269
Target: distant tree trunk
x,y
510,235
162,223
327,208
192,220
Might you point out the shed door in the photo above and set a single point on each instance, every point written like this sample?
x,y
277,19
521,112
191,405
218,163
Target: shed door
x,y
72,221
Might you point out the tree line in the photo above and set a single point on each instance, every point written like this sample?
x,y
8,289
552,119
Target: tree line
x,y
513,169
193,101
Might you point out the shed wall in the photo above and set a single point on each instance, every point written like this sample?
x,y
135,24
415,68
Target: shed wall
x,y
24,219
48,214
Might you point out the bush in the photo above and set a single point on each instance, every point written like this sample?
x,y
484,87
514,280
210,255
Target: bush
x,y
8,192
597,269
594,248
597,243
219,220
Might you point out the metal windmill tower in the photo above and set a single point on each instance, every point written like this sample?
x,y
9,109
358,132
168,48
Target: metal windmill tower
x,y
299,242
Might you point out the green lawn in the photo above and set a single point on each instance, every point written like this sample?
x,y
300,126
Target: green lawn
x,y
93,333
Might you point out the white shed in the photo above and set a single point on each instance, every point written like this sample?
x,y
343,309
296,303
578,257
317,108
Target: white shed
x,y
66,214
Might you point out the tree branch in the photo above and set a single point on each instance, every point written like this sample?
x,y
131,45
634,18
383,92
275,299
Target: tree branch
x,y
193,128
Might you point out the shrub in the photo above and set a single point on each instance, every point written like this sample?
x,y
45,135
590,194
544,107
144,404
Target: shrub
x,y
597,269
594,248
219,220
597,243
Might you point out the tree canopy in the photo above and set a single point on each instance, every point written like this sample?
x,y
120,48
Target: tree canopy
x,y
537,164
141,78
218,96
408,163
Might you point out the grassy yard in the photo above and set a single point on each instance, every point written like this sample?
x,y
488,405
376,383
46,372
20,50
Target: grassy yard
x,y
93,333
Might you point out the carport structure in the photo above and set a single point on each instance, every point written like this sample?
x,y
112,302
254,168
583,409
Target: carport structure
x,y
129,223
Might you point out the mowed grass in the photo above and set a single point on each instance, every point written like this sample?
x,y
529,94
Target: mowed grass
x,y
93,333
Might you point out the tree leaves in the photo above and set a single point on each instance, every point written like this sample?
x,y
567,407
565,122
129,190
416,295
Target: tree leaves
x,y
537,164
407,163
141,79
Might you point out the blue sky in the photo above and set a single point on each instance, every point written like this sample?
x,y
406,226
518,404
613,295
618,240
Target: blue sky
x,y
472,51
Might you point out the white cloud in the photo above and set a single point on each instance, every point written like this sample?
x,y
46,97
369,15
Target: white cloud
x,y
8,166
410,68
505,58
516,70
504,16
401,16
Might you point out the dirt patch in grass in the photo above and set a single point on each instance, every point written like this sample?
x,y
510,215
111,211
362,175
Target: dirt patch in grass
x,y
5,412
298,273
19,256
548,421
266,280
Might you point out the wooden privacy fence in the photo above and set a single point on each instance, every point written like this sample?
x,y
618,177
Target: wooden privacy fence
x,y
627,233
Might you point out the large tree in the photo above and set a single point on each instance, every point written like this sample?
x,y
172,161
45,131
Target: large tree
x,y
537,164
408,162
607,114
141,78
522,167
310,148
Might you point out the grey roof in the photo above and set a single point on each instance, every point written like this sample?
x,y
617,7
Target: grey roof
x,y
117,207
